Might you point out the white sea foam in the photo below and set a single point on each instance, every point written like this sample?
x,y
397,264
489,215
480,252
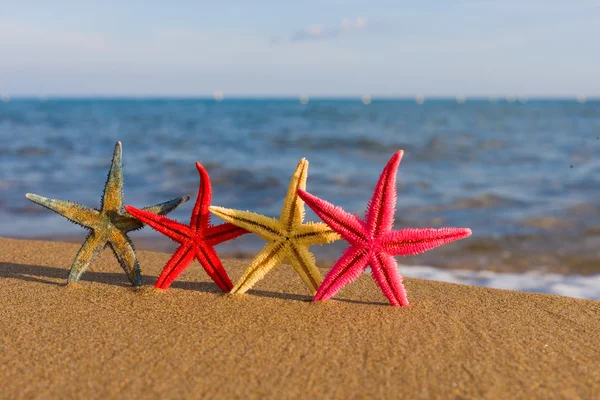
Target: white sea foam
x,y
585,287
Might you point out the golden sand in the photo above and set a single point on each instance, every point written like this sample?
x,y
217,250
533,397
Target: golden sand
x,y
102,339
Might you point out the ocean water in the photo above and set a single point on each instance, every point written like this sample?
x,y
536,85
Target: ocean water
x,y
524,177
583,287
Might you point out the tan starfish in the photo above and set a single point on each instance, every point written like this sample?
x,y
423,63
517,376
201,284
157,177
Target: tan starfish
x,y
109,225
288,236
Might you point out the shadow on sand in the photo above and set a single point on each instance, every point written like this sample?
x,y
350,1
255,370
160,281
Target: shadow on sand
x,y
42,274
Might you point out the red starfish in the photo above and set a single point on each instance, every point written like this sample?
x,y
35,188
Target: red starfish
x,y
373,242
197,239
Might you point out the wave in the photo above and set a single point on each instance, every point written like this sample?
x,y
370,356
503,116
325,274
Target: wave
x,y
583,287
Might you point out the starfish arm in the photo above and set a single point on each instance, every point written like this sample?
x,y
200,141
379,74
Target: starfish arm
x,y
303,262
91,248
127,222
349,267
179,261
222,233
384,271
168,227
314,233
265,227
81,215
268,258
167,206
292,212
125,254
214,268
349,226
414,241
112,199
382,206
201,215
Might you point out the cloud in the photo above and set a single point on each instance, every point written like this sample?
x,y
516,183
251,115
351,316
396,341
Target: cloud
x,y
320,32
352,25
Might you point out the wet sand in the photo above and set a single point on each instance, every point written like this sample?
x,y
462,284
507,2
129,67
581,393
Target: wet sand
x,y
103,339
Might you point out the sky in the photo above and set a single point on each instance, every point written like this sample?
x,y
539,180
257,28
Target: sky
x,y
288,48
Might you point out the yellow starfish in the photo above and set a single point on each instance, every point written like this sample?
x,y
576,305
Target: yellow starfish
x,y
288,236
109,225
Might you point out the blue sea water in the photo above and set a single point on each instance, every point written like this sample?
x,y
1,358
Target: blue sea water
x,y
524,177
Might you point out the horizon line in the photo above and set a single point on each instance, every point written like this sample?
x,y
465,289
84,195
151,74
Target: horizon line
x,y
374,97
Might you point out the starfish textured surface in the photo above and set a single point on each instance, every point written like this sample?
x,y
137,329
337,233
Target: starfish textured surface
x,y
288,237
108,225
197,240
373,242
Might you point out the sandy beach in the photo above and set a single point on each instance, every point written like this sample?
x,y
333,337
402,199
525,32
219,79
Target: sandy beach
x,y
103,339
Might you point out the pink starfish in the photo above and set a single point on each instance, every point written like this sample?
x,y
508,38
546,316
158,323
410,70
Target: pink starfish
x,y
373,242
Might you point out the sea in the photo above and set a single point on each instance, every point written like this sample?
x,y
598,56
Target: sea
x,y
523,175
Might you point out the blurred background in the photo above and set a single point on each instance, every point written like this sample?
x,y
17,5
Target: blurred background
x,y
496,105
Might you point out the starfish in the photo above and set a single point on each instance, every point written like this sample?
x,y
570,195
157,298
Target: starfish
x,y
288,237
373,242
197,239
108,225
